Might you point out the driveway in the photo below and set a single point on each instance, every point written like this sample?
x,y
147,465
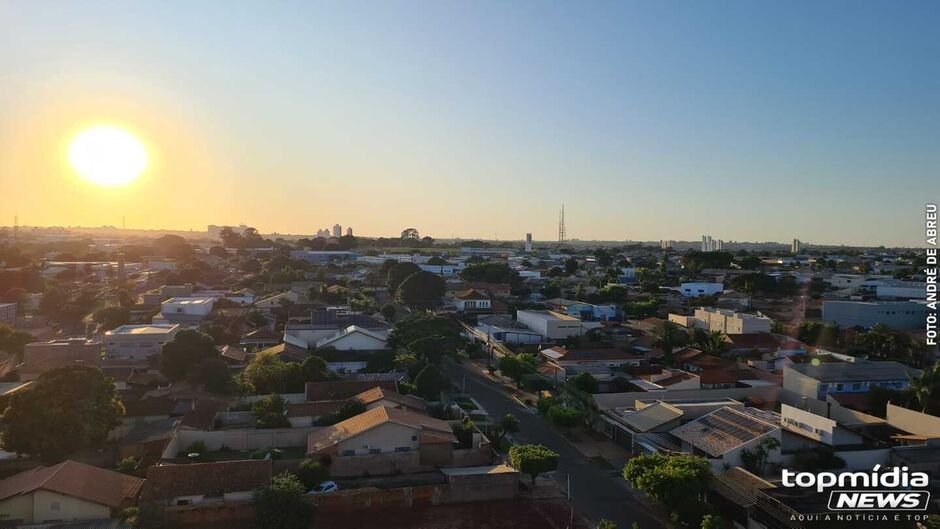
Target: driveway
x,y
595,492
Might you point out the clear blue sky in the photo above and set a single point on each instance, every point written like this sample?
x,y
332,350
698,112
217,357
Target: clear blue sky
x,y
744,120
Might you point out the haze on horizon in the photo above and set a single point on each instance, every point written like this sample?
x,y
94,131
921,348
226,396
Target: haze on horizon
x,y
746,121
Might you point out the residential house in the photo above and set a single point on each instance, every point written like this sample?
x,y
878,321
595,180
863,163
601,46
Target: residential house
x,y
185,311
169,486
472,300
69,491
39,357
384,441
694,290
138,342
722,435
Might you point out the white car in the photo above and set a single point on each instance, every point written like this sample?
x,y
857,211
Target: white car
x,y
325,487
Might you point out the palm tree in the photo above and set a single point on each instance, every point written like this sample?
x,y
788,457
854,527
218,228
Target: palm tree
x,y
710,342
668,337
926,387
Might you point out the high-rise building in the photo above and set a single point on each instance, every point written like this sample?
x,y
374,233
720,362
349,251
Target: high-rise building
x,y
796,246
719,245
528,242
349,231
704,243
337,230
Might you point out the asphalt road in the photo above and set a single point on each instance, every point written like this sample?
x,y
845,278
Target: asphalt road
x,y
595,492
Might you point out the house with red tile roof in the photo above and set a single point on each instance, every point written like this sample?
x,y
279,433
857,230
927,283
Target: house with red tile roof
x,y
69,491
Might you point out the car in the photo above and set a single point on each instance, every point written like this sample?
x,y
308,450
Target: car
x,y
325,488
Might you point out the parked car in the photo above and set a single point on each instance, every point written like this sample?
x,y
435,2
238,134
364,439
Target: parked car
x,y
325,487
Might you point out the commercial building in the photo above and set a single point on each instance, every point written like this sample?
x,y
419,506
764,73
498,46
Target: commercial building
x,y
138,342
818,381
505,330
551,325
731,322
896,314
694,290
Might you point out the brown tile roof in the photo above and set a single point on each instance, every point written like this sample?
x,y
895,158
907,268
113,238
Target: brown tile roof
x,y
263,333
759,340
685,354
431,429
710,362
606,355
78,480
234,353
675,379
376,394
344,389
471,293
211,479
286,352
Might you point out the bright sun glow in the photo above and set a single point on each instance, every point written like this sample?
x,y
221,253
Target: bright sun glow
x,y
107,155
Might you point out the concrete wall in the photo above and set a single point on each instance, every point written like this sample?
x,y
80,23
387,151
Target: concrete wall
x,y
69,508
864,459
913,421
242,439
386,437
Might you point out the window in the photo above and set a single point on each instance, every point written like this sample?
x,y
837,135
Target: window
x,y
348,453
184,502
375,450
403,449
414,437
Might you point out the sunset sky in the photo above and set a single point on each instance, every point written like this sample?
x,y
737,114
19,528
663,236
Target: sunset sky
x,y
648,120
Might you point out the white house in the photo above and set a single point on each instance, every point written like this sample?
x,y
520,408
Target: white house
x,y
186,310
694,290
550,324
471,300
138,342
355,338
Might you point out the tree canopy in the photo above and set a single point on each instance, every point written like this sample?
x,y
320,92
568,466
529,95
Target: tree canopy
x,y
68,409
283,504
533,459
188,348
421,290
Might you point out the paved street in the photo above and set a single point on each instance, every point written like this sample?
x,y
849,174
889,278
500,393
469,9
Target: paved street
x,y
595,492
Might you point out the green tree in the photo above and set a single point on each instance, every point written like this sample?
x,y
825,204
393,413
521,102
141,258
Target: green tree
x,y
712,521
388,311
421,290
68,409
283,504
347,410
512,367
667,338
267,373
312,473
709,342
678,482
188,348
506,425
109,318
398,273
213,374
756,461
270,412
12,342
585,382
533,459
430,383
604,523
565,417
926,389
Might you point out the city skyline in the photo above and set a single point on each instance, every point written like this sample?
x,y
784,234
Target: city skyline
x,y
649,122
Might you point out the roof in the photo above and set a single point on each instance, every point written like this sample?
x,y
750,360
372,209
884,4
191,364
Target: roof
x,y
726,429
757,340
740,486
344,389
211,479
189,301
706,361
725,376
285,351
685,354
680,376
471,294
547,315
856,371
352,329
377,394
651,416
606,355
155,328
263,333
341,431
78,480
234,353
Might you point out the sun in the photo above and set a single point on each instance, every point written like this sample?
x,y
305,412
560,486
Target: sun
x,y
107,155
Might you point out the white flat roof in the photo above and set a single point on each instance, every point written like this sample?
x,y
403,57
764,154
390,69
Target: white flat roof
x,y
549,315
155,328
189,301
